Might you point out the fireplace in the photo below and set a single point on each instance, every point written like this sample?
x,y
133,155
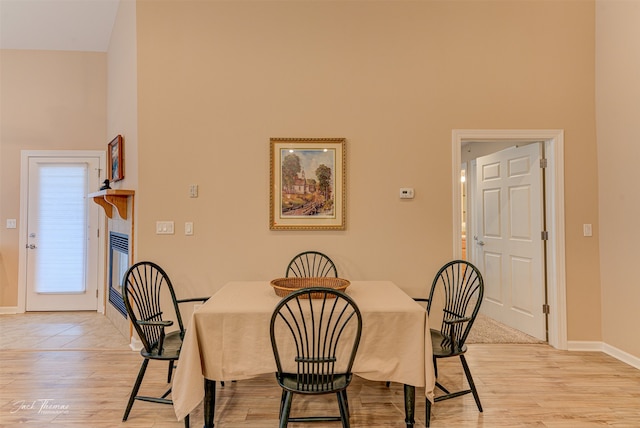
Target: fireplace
x,y
118,265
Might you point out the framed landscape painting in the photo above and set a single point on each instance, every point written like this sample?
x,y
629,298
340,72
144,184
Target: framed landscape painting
x,y
307,184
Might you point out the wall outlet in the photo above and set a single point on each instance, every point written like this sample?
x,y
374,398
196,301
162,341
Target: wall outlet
x,y
406,193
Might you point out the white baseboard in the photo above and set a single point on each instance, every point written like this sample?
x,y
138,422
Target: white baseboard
x,y
616,353
135,345
578,345
621,355
10,310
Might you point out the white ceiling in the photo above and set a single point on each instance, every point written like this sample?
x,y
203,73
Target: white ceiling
x,y
68,25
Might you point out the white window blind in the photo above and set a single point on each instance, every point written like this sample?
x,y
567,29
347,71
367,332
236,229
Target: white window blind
x,y
62,228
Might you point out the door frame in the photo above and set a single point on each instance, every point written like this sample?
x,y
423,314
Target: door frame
x,y
22,230
553,140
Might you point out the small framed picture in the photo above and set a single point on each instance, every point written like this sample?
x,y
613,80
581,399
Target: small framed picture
x,y
116,170
307,184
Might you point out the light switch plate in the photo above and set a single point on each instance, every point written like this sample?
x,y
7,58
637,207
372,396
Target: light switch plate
x,y
188,228
193,191
164,227
11,223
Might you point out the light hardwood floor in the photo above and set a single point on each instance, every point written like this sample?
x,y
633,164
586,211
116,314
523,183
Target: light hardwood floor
x,y
83,367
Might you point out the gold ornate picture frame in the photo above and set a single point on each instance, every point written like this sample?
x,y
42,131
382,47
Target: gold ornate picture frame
x,y
308,184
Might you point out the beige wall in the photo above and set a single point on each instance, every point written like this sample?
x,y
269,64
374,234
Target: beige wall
x,y
49,100
122,118
218,79
122,97
618,114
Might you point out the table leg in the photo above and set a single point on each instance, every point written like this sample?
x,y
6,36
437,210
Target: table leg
x,y
209,402
409,405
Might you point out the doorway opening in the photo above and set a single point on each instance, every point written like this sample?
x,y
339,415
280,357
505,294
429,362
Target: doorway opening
x,y
59,231
553,143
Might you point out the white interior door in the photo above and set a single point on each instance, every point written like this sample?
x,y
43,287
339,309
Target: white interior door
x,y
508,241
62,234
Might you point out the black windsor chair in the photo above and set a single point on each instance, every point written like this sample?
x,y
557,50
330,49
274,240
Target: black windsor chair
x,y
315,335
456,295
150,301
311,264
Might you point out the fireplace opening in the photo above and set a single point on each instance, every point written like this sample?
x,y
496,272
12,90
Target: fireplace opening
x,y
118,265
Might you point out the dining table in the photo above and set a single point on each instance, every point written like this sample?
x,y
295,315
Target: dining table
x,y
228,339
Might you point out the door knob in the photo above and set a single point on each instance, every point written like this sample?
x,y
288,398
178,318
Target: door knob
x,y
475,238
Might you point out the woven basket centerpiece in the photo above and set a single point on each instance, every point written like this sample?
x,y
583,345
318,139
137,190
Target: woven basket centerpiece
x,y
285,286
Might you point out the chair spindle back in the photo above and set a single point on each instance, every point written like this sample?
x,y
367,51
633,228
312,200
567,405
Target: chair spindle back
x,y
460,286
316,338
145,284
311,264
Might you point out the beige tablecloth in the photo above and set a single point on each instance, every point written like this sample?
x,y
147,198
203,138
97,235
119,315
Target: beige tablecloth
x,y
228,339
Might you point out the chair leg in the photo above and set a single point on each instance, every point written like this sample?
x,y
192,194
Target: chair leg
x,y
427,418
344,410
286,410
445,390
435,373
346,402
170,374
166,394
186,421
435,367
283,398
136,387
467,372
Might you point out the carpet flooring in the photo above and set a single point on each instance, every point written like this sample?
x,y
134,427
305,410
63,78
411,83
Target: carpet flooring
x,y
488,330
